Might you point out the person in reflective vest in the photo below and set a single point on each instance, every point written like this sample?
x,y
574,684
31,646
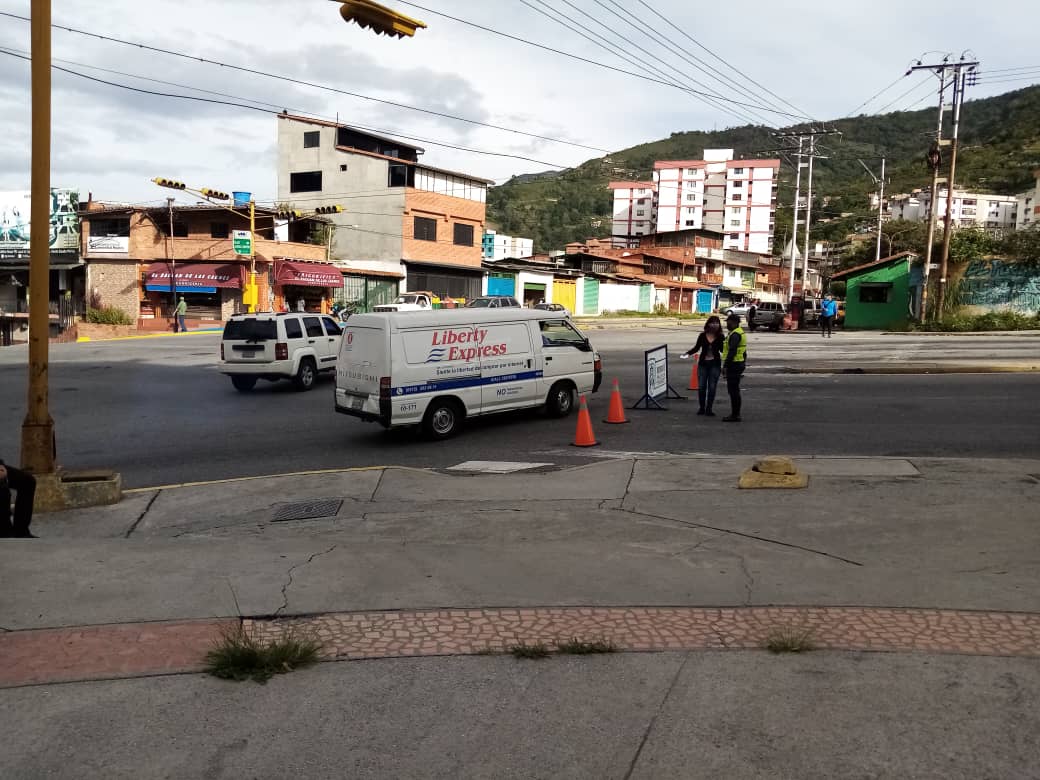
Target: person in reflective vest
x,y
734,358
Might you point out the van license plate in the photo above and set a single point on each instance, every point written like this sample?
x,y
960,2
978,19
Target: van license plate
x,y
251,353
357,403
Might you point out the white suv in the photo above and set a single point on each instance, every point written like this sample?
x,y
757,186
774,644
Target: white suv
x,y
294,346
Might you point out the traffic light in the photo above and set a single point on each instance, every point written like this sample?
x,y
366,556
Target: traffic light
x,y
169,183
380,19
214,194
337,209
289,214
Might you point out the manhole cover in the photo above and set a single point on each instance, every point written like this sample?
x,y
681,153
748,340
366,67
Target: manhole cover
x,y
308,510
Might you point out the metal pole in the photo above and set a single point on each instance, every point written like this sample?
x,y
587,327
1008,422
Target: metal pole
x,y
171,257
935,198
794,225
251,306
808,214
880,207
38,445
958,97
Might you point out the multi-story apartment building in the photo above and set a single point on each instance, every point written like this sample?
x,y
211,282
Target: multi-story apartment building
x,y
970,210
401,217
736,198
498,246
635,212
1028,206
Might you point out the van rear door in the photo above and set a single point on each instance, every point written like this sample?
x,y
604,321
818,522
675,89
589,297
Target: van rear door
x,y
364,360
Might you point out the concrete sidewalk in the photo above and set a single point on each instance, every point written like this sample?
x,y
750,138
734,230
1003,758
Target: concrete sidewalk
x,y
932,559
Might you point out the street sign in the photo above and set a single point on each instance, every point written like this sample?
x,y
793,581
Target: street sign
x,y
242,242
655,372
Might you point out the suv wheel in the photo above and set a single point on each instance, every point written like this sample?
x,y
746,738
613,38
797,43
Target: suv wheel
x,y
443,419
243,383
306,375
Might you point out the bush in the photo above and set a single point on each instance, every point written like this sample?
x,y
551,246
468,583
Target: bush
x,y
990,321
109,315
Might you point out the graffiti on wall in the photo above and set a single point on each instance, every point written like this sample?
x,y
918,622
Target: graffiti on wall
x,y
993,285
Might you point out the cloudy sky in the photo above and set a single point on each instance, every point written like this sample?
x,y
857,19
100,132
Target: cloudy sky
x,y
825,58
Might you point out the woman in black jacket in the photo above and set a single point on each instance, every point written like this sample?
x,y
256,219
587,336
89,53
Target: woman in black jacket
x,y
709,363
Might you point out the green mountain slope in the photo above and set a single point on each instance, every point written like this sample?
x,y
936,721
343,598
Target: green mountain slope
x,y
1000,147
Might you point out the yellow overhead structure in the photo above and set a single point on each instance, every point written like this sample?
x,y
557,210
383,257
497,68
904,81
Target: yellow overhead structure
x,y
380,19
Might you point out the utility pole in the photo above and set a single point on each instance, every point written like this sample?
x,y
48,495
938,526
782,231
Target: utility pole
x,y
38,444
942,70
794,223
880,182
960,74
170,255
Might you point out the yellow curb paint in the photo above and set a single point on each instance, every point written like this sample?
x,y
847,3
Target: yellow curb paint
x,y
204,483
153,336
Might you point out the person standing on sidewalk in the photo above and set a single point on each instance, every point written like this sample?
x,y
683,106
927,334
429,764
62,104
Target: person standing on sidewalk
x,y
734,358
828,312
25,486
182,309
709,363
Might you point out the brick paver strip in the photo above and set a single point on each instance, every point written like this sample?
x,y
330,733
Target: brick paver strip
x,y
137,649
107,651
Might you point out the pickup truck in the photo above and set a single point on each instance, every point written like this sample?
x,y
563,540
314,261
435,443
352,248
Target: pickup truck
x,y
413,301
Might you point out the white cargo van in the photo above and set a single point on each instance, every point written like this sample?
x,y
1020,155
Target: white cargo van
x,y
437,368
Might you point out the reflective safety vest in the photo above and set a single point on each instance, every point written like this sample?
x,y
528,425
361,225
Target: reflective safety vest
x,y
741,355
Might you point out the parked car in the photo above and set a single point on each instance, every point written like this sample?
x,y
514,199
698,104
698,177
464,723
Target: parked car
x,y
413,301
812,310
557,307
740,309
768,314
436,370
296,346
493,302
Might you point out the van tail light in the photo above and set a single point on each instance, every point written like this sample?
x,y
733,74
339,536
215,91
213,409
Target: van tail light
x,y
384,388
281,351
598,365
222,350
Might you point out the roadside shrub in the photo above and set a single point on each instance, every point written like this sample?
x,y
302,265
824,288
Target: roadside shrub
x,y
108,315
990,321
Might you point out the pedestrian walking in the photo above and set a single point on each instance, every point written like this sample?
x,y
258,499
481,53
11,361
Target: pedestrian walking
x,y
25,486
828,313
734,358
709,363
181,310
751,315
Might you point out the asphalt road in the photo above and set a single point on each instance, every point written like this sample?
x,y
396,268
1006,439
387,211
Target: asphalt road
x,y
157,410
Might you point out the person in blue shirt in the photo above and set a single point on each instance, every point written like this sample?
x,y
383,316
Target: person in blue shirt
x,y
828,312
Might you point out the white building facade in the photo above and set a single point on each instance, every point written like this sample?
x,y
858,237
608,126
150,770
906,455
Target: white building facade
x,y
734,197
970,209
499,246
1027,206
634,208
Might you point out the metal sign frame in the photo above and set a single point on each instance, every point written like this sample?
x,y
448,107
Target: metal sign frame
x,y
655,377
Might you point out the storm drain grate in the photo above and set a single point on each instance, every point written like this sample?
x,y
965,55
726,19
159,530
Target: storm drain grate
x,y
308,510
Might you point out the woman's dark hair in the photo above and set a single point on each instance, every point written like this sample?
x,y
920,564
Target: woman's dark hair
x,y
712,320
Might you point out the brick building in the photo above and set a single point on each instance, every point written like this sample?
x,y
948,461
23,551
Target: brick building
x,y
401,218
132,261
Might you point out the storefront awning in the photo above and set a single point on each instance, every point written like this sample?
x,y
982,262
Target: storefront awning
x,y
194,277
468,270
307,274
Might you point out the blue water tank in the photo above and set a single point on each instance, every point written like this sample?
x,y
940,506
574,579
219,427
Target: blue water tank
x,y
242,198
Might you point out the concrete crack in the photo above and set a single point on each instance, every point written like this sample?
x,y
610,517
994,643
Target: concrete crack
x,y
140,517
750,585
731,532
289,580
653,720
631,476
375,490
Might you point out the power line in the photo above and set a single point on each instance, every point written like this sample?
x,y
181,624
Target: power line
x,y
586,33
585,59
680,51
873,97
301,82
720,59
914,88
232,103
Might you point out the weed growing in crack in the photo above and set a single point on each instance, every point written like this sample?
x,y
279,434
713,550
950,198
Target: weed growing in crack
x,y
786,639
579,647
524,650
242,655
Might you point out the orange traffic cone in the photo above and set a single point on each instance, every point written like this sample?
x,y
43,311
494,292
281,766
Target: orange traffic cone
x,y
693,375
583,436
616,415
